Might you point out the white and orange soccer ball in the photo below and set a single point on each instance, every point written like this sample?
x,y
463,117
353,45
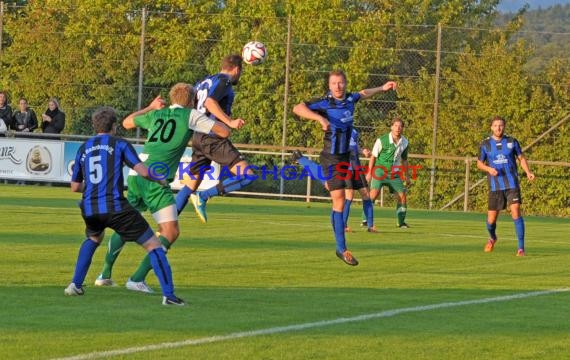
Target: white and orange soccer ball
x,y
254,53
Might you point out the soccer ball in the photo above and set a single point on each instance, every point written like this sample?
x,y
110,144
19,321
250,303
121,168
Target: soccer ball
x,y
254,53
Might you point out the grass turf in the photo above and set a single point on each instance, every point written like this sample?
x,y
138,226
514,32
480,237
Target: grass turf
x,y
263,264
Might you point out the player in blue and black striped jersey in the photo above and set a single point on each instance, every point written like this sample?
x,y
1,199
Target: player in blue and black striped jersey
x,y
335,113
98,174
498,156
353,183
215,96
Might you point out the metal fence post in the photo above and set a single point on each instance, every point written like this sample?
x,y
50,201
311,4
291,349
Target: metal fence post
x,y
1,24
285,104
435,115
308,199
467,174
141,65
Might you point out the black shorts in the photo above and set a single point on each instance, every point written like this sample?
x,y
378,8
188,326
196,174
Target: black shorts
x,y
498,200
356,182
335,169
207,148
129,224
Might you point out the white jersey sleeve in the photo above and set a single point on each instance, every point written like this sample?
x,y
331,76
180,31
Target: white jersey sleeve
x,y
200,122
377,148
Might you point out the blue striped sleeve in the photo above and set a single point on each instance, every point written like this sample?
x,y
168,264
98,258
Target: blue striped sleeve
x,y
77,173
131,156
517,148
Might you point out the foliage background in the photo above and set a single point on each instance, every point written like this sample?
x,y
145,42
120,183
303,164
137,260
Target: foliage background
x,y
88,53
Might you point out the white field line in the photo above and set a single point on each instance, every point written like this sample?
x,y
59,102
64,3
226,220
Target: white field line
x,y
305,326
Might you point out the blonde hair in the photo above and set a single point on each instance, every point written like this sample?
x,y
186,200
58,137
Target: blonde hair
x,y
55,101
182,94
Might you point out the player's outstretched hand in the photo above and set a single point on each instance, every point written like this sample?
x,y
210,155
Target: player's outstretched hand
x,y
389,85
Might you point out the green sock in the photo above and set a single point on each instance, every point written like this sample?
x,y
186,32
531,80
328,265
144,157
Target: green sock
x,y
401,213
113,250
145,265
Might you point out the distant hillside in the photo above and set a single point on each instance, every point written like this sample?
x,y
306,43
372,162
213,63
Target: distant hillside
x,y
512,6
547,31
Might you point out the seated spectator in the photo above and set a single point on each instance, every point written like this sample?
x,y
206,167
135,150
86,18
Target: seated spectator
x,y
5,113
24,119
53,120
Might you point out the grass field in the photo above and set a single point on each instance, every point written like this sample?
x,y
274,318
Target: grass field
x,y
264,283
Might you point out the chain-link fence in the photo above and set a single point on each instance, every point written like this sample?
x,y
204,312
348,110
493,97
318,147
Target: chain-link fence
x,y
123,57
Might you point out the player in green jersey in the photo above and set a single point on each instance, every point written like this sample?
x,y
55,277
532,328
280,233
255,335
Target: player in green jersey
x,y
169,130
389,161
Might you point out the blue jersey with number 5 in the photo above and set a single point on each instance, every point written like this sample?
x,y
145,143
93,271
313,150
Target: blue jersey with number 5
x,y
99,163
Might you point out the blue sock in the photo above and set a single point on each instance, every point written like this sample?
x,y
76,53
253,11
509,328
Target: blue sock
x,y
182,198
346,212
163,272
338,229
519,229
86,252
491,229
227,186
368,209
311,167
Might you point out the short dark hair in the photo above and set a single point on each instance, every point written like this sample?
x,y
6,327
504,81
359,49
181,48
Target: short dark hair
x,y
397,119
231,61
103,119
5,96
497,117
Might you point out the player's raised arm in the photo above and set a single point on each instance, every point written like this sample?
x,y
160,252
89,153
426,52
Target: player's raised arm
x,y
156,104
366,93
303,111
202,123
214,108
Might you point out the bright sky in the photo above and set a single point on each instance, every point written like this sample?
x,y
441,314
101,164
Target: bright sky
x,y
514,5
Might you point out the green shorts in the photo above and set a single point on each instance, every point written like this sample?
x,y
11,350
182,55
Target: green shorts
x,y
396,185
149,195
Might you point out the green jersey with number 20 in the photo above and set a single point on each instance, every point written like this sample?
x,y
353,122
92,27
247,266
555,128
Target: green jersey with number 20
x,y
169,131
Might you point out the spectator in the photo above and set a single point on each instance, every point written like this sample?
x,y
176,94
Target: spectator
x,y
5,113
53,120
24,119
